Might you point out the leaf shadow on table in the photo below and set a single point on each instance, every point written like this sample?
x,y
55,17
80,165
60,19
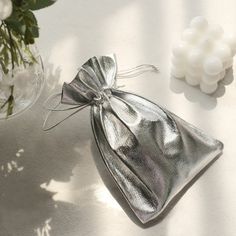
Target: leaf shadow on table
x,y
194,94
116,193
25,207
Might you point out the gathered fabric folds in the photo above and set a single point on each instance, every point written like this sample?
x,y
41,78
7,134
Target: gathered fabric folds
x,y
151,153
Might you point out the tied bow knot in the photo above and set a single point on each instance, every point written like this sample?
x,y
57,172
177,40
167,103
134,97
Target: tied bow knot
x,y
93,85
103,96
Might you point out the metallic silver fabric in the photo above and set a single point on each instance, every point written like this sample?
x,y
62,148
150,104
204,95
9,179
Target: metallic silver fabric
x,y
151,153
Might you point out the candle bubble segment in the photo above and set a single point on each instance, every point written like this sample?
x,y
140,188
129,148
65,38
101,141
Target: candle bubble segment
x,y
199,23
203,55
213,66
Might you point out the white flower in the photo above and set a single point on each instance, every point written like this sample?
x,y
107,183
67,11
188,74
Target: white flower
x,y
5,9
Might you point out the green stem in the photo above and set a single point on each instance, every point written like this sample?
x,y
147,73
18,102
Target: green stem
x,y
10,102
11,47
20,54
31,54
4,104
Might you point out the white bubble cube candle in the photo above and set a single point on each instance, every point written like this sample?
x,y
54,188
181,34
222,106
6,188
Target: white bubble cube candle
x,y
203,55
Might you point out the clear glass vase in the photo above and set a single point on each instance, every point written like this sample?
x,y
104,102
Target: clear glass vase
x,y
20,87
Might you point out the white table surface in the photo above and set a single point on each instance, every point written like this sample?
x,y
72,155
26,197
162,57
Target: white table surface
x,y
59,191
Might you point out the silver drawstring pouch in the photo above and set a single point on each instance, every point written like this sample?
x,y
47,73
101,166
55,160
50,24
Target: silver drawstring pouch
x,y
151,153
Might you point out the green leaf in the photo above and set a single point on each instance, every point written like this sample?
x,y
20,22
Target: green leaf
x,y
29,39
24,23
11,101
39,4
16,22
30,18
34,31
17,26
4,53
18,3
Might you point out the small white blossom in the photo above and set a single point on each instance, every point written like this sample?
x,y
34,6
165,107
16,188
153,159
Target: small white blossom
x,y
5,9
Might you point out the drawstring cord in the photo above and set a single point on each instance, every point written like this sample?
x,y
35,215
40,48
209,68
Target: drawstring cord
x,y
123,74
136,71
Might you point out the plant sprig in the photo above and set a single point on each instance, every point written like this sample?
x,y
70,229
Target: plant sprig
x,y
17,32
